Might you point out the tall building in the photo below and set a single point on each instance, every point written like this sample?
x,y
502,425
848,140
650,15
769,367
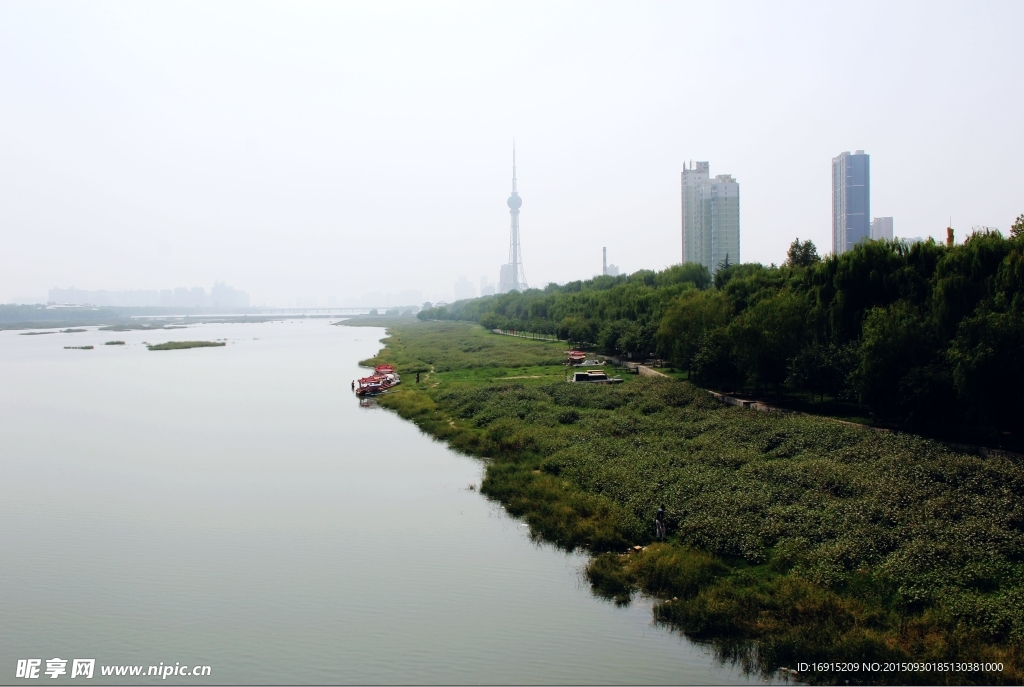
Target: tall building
x,y
692,178
711,217
881,228
513,278
486,288
505,279
851,200
464,289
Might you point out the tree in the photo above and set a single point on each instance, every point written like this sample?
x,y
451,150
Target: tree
x,y
610,335
767,336
987,356
802,254
578,329
692,272
687,319
896,339
1017,229
823,368
714,363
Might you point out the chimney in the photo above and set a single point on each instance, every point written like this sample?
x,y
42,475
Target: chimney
x,y
604,260
949,237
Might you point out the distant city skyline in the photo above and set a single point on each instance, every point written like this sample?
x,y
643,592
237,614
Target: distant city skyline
x,y
220,295
176,143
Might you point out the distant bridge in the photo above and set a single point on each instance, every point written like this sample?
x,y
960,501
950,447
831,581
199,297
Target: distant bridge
x,y
326,311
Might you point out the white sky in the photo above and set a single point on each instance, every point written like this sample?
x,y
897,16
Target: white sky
x,y
329,150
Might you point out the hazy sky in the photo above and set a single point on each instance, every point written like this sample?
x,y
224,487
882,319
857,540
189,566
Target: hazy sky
x,y
321,150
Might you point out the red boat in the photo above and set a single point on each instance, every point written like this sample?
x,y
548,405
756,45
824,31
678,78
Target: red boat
x,y
576,357
384,377
369,386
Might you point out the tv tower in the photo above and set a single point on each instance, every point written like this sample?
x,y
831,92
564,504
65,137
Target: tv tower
x,y
516,275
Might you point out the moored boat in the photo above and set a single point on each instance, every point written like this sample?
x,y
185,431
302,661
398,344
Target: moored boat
x,y
383,378
387,375
576,357
369,386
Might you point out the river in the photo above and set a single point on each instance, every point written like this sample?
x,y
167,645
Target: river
x,y
235,507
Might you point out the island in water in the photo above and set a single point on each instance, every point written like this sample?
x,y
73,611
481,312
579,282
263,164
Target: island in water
x,y
176,345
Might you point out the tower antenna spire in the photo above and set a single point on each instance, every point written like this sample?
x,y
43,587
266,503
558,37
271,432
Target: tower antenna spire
x,y
513,277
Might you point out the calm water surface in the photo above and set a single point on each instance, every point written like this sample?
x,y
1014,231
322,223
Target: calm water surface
x,y
236,507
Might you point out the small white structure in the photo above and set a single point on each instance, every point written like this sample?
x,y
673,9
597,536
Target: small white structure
x,y
881,228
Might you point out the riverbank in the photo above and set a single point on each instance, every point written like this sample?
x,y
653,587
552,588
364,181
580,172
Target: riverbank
x,y
791,538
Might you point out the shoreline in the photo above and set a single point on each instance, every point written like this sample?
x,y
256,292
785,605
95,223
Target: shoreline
x,y
767,607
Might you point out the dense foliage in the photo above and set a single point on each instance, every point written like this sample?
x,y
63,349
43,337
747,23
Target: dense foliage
x,y
923,335
620,314
820,540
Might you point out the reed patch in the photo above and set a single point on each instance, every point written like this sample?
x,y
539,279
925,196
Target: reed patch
x,y
791,537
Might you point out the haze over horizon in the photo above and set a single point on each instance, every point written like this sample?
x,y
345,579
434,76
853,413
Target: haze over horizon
x,y
315,150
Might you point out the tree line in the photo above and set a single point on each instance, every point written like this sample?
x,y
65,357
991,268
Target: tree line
x,y
922,335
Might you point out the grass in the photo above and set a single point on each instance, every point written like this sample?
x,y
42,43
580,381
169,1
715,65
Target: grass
x,y
176,345
78,348
792,537
114,343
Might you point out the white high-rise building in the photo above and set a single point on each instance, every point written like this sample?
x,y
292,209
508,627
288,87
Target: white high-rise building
x,y
881,228
486,288
505,279
711,217
464,289
692,178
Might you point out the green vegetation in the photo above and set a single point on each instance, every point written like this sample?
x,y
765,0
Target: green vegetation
x,y
36,333
791,537
176,345
72,331
447,346
923,337
79,348
376,320
114,343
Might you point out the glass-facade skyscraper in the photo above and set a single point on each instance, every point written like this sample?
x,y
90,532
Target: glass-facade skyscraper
x,y
851,200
